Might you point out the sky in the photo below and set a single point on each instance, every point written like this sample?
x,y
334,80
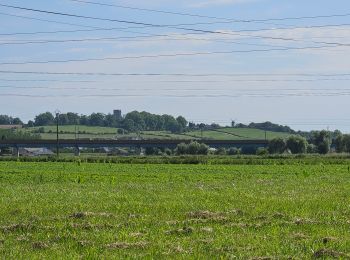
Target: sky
x,y
224,60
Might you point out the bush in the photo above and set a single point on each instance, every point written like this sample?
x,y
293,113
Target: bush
x,y
167,151
322,141
277,146
221,151
151,151
193,148
297,144
181,149
40,130
323,147
234,151
262,151
249,149
311,148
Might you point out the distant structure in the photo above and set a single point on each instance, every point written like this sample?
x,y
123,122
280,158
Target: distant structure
x,y
34,152
117,114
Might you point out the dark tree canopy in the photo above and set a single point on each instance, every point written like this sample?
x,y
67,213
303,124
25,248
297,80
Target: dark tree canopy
x,y
8,120
44,119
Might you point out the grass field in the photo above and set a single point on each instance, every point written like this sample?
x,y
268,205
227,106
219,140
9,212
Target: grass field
x,y
229,133
91,132
79,210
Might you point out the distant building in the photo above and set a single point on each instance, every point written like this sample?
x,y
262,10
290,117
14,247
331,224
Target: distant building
x,y
117,114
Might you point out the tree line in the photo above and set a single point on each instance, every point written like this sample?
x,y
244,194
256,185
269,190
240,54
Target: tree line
x,y
318,142
8,120
132,122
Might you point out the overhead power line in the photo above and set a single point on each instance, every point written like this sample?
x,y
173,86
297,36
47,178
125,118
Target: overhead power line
x,y
169,55
158,89
213,17
150,24
301,74
169,37
100,18
109,95
49,21
186,81
47,80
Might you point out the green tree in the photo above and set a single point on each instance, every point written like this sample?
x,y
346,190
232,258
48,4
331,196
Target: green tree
x,y
234,151
97,119
203,149
193,148
338,141
277,145
262,151
297,144
182,121
322,141
73,118
346,143
5,120
181,149
44,119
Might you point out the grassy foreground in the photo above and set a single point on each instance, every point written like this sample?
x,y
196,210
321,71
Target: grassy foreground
x,y
71,210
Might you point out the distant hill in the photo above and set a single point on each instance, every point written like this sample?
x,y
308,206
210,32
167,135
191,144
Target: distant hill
x,y
91,132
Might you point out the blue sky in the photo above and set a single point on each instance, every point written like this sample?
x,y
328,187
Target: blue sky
x,y
303,102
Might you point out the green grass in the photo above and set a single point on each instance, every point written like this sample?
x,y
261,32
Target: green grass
x,y
92,132
71,129
238,134
79,210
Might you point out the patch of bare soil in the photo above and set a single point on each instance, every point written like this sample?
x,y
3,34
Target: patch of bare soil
x,y
326,253
181,231
39,245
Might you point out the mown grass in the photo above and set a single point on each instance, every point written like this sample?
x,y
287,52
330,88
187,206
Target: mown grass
x,y
73,210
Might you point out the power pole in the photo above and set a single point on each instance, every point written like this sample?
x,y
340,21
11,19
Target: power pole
x,y
57,137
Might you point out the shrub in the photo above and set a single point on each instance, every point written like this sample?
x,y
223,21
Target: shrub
x,y
277,146
234,151
167,151
221,151
311,148
262,151
181,149
297,144
203,149
322,141
193,148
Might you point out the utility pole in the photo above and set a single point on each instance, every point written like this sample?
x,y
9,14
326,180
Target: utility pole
x,y
57,137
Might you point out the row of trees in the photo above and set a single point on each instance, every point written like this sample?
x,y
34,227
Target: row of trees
x,y
133,121
266,126
8,120
342,143
319,142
